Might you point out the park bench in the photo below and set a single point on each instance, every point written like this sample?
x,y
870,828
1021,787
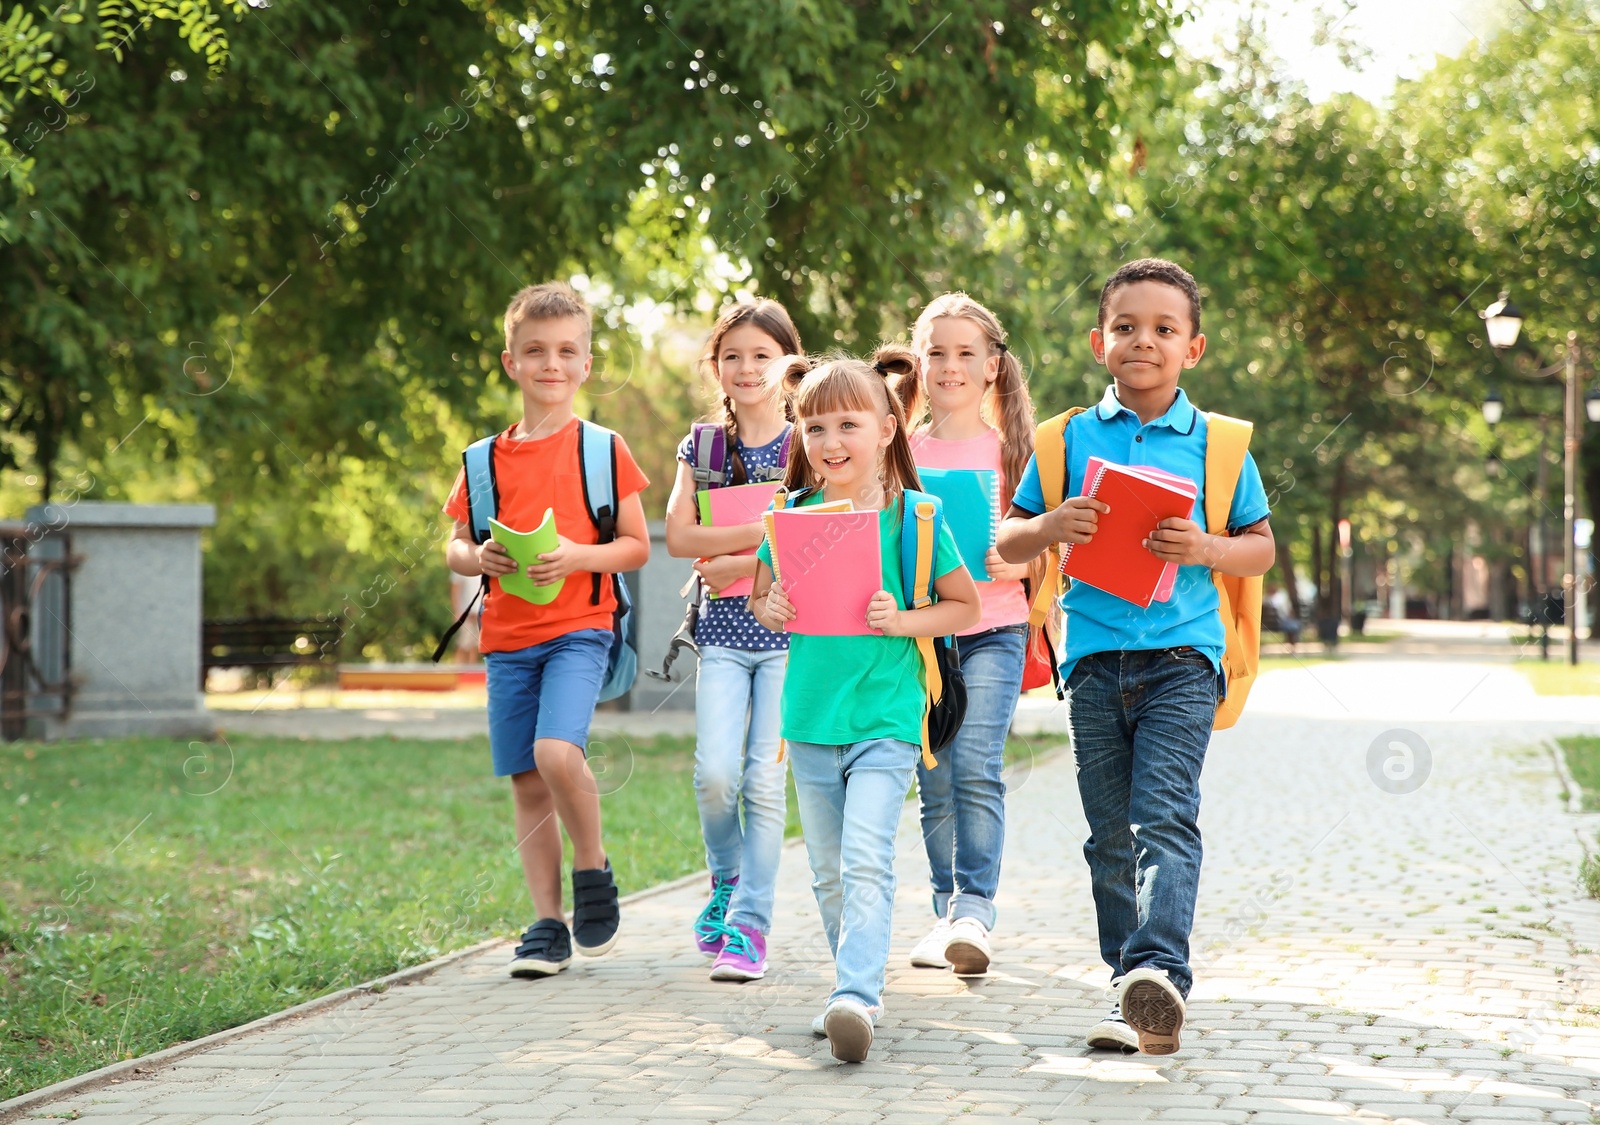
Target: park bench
x,y
269,642
1272,622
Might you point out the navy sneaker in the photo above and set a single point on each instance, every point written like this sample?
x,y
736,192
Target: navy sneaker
x,y
545,950
595,916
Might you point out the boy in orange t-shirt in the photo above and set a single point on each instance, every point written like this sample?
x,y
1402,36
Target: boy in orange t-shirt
x,y
546,663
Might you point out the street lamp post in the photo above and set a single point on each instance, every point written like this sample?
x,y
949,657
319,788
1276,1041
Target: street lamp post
x,y
1503,321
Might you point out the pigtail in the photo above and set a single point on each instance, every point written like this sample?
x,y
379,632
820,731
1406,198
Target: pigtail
x,y
1008,407
783,378
898,366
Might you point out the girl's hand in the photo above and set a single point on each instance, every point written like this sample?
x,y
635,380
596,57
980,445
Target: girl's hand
x,y
777,610
554,565
722,571
1076,520
493,560
883,614
1183,542
1002,571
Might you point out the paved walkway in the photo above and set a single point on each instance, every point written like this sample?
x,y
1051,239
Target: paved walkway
x,y
1384,935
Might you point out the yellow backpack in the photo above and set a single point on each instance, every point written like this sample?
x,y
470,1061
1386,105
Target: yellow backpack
x,y
1227,441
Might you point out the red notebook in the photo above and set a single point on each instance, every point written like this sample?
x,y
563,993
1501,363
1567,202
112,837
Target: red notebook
x,y
1116,560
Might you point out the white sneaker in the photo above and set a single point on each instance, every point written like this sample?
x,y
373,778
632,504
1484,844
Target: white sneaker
x,y
1153,1007
848,1026
929,952
1113,1034
819,1026
967,949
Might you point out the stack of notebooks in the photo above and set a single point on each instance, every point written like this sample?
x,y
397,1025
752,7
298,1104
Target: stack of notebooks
x,y
1115,559
829,562
728,507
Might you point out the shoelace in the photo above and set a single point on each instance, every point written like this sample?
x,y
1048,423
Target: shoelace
x,y
737,942
710,923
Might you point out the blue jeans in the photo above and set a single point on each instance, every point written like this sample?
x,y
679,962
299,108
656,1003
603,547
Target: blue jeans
x,y
964,798
736,755
850,801
1141,722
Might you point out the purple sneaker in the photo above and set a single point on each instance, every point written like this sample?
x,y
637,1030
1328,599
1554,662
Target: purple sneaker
x,y
743,956
708,928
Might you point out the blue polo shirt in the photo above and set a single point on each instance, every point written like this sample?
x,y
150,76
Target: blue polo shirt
x,y
1176,441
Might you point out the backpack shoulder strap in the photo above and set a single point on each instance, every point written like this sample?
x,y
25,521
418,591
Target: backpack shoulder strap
x,y
709,446
597,462
920,518
483,492
1050,458
1227,442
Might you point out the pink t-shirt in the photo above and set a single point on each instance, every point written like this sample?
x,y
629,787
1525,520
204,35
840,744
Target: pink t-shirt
x,y
1004,603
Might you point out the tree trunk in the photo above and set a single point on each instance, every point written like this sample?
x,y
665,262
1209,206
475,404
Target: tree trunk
x,y
1318,574
1286,569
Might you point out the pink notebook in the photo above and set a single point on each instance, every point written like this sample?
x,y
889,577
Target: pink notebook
x,y
829,564
728,507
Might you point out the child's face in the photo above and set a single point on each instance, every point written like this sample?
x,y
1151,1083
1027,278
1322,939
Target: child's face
x,y
742,358
956,365
1147,339
549,359
843,447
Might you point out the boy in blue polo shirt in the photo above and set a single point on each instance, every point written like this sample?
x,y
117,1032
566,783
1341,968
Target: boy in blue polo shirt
x,y
1144,683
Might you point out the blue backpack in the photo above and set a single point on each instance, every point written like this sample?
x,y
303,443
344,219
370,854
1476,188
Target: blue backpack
x,y
597,461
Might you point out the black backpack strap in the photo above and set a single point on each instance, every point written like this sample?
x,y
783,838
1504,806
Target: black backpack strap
x,y
449,634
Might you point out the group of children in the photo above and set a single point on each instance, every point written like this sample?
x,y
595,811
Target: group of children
x,y
846,713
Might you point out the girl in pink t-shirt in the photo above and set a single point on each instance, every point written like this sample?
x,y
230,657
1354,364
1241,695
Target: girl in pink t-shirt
x,y
970,409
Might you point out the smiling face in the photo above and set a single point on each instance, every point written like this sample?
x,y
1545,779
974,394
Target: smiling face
x,y
957,366
549,359
844,447
1148,337
743,355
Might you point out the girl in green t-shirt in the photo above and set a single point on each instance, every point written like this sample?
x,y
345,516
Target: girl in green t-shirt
x,y
852,705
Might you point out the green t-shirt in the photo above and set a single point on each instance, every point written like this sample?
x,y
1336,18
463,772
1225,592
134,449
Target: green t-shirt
x,y
842,690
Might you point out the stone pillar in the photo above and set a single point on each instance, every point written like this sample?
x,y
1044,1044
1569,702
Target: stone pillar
x,y
134,619
660,612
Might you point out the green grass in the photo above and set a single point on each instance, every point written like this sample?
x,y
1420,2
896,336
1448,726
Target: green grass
x,y
1555,677
153,892
1582,753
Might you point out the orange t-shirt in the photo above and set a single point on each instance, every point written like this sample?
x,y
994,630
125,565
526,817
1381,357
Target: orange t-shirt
x,y
534,475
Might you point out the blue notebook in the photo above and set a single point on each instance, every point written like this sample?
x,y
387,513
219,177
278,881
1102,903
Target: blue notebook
x,y
971,500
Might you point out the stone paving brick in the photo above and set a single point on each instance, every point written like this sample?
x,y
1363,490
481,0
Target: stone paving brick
x,y
1347,968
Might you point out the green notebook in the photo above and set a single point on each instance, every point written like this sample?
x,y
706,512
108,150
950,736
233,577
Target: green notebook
x,y
525,547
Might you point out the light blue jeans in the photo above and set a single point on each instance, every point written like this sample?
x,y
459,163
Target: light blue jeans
x,y
964,797
850,801
736,755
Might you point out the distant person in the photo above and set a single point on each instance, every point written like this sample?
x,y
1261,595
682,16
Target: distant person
x,y
463,592
546,663
853,706
1278,599
1144,683
978,416
738,761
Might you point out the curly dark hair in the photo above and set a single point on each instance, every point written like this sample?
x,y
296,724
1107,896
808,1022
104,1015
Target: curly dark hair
x,y
1154,269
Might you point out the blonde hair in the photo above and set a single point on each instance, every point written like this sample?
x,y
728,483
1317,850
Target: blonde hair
x,y
767,316
545,302
833,383
1006,405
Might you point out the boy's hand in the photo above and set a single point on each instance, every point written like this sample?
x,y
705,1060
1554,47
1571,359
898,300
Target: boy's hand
x,y
1183,542
778,610
1002,571
1076,519
554,565
721,571
493,560
883,614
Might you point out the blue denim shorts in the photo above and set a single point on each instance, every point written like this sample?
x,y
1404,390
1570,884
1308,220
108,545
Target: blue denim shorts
x,y
546,691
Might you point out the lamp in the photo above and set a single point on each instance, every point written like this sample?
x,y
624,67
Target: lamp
x,y
1591,405
1494,407
1503,320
